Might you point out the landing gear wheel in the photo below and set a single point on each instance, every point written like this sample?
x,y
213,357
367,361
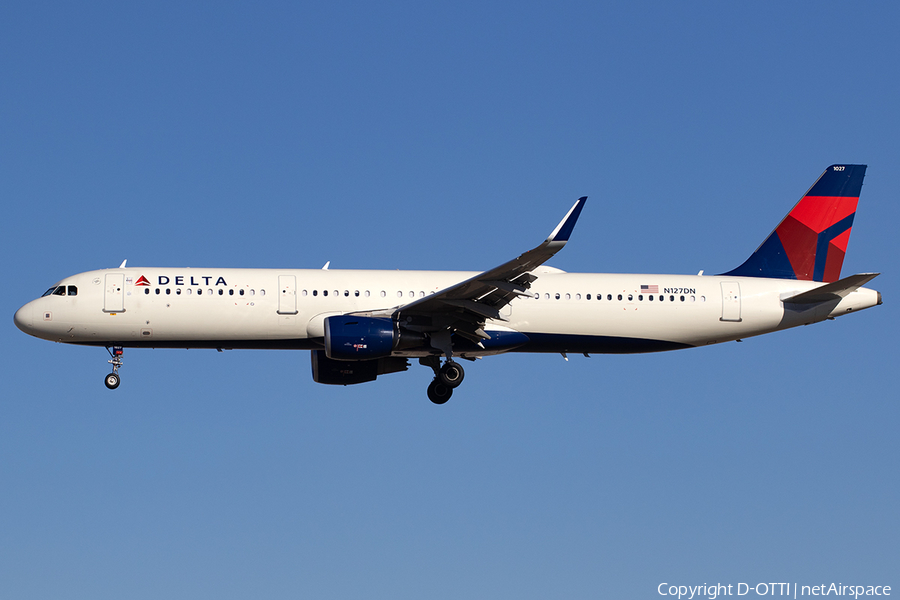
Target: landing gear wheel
x,y
112,381
438,392
115,354
451,374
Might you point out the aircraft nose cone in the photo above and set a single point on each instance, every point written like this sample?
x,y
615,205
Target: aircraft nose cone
x,y
23,318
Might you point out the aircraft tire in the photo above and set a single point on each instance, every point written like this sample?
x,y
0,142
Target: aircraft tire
x,y
112,381
438,392
452,374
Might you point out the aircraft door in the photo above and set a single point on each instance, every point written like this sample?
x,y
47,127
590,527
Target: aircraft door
x,y
114,293
731,301
287,295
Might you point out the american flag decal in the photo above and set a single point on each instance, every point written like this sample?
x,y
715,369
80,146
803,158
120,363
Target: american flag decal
x,y
649,289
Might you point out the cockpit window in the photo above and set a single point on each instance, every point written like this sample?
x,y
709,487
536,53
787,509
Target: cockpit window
x,y
60,290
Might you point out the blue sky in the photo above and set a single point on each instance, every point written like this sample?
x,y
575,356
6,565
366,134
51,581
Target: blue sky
x,y
443,136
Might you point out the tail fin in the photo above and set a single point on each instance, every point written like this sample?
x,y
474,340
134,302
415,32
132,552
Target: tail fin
x,y
810,242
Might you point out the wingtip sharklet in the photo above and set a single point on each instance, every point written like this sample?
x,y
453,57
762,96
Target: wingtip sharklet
x,y
565,227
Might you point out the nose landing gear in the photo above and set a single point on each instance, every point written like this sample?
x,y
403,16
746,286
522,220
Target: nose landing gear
x,y
446,378
112,380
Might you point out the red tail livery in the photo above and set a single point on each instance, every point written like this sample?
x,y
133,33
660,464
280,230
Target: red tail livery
x,y
810,242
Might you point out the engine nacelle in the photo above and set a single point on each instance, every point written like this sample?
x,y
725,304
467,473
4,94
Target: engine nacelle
x,y
359,338
349,372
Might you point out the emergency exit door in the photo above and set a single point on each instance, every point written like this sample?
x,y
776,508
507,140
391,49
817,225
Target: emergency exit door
x,y
114,293
287,295
731,301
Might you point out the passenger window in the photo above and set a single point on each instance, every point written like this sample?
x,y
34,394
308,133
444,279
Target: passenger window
x,y
568,296
209,291
630,297
177,291
324,292
671,298
241,292
315,292
253,292
199,291
383,293
169,291
356,293
609,297
620,296
221,292
73,291
346,293
231,292
262,292
146,291
158,291
640,297
588,297
682,298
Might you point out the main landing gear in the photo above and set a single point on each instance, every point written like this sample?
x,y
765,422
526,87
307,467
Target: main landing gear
x,y
446,378
112,380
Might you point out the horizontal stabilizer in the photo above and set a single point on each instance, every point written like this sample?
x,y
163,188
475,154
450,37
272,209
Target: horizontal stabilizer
x,y
832,291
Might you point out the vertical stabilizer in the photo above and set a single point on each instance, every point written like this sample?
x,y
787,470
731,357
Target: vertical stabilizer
x,y
811,241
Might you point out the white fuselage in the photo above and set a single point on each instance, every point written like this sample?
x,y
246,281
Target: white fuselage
x,y
286,308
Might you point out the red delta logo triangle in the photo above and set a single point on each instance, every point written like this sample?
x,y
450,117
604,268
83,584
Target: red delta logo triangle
x,y
141,281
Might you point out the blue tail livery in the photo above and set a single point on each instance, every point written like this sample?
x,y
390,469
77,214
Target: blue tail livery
x,y
811,241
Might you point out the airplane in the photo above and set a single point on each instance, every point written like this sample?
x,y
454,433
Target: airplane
x,y
360,324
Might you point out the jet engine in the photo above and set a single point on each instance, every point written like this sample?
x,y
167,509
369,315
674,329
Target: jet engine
x,y
365,338
358,338
347,372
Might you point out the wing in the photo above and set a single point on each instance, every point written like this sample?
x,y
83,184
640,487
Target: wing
x,y
463,308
